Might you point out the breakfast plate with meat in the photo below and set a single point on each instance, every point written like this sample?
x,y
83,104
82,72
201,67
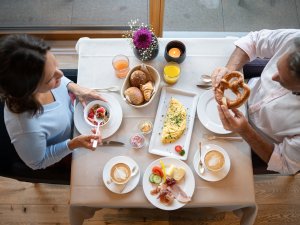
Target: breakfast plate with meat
x,y
168,183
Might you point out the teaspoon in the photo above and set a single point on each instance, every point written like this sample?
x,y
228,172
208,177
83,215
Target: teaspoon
x,y
201,167
206,78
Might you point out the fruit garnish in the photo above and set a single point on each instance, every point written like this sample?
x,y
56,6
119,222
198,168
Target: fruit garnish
x,y
170,181
179,150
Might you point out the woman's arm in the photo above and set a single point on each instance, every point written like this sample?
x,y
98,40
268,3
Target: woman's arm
x,y
83,94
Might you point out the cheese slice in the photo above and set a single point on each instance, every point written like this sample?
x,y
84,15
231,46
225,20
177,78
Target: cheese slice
x,y
174,123
178,173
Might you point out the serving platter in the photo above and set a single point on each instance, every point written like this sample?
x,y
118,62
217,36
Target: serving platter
x,y
189,100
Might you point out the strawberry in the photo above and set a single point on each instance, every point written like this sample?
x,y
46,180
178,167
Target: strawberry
x,y
178,148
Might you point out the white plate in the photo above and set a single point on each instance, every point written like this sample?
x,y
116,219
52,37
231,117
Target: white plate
x,y
110,128
189,100
187,184
115,187
208,175
208,113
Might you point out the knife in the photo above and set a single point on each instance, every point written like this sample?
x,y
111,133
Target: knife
x,y
112,143
204,86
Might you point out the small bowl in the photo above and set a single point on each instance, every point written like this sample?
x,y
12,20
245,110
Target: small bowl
x,y
92,104
145,126
155,77
137,141
180,46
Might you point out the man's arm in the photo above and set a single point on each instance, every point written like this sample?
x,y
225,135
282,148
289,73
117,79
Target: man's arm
x,y
239,124
237,60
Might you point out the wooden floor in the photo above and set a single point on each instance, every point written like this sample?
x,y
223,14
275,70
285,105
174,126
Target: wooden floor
x,y
278,199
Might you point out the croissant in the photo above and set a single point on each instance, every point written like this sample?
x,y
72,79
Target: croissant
x,y
147,90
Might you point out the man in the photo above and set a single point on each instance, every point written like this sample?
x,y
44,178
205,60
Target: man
x,y
273,130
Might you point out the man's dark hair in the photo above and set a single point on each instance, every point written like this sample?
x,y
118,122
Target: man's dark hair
x,y
22,62
294,58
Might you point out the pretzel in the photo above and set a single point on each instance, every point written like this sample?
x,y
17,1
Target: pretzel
x,y
235,82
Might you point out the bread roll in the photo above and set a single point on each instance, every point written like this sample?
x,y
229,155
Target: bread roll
x,y
138,78
134,95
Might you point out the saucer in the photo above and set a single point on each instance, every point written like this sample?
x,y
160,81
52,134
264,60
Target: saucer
x,y
209,175
110,128
116,188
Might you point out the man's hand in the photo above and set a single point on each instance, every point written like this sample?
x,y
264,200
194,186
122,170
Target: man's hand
x,y
218,74
236,123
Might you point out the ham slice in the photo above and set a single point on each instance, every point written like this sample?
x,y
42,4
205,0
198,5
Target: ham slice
x,y
179,194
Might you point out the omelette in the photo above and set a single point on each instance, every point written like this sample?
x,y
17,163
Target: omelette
x,y
174,123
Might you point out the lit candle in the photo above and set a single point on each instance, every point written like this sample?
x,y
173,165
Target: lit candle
x,y
174,52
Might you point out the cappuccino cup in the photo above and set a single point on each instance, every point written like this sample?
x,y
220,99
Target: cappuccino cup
x,y
214,160
120,173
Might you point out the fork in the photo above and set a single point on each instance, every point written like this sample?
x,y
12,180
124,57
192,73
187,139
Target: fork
x,y
108,89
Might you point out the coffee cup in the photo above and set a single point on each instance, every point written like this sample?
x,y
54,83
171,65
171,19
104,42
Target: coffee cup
x,y
214,160
120,173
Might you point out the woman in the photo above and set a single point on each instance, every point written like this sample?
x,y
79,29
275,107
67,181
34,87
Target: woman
x,y
38,111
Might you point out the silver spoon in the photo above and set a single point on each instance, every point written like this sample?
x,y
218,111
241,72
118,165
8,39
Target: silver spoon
x,y
99,121
133,173
206,78
201,167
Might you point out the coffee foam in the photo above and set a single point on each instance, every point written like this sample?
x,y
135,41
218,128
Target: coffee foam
x,y
214,160
120,173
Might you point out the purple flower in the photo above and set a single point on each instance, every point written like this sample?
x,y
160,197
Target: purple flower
x,y
142,38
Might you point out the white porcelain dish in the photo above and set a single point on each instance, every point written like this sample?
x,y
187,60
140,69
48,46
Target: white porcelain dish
x,y
187,184
208,113
209,175
107,130
189,100
155,77
92,104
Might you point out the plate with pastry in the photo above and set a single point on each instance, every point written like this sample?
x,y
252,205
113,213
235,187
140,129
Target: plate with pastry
x,y
168,183
208,114
173,123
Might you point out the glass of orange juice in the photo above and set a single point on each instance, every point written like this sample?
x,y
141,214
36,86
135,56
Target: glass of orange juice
x,y
121,65
171,72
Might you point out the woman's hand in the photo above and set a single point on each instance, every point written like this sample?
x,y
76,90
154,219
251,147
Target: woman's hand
x,y
84,141
236,123
84,94
217,75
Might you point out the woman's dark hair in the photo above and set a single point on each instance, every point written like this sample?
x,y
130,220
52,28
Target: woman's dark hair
x,y
294,58
22,62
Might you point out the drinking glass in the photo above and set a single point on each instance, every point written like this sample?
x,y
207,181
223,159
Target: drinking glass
x,y
121,65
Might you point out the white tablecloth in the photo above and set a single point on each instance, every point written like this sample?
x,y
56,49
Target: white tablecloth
x,y
234,193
